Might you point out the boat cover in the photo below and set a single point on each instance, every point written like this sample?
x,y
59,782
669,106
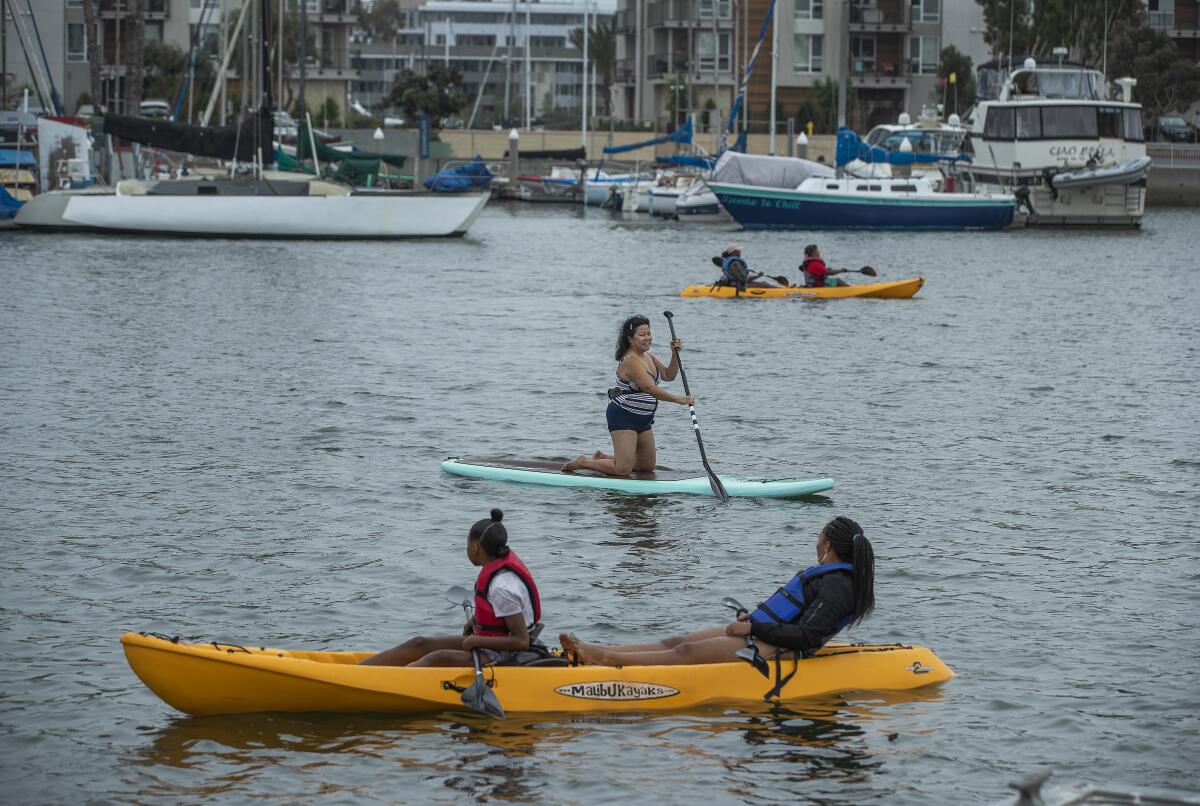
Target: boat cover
x,y
8,205
774,172
474,174
218,142
851,147
552,154
353,167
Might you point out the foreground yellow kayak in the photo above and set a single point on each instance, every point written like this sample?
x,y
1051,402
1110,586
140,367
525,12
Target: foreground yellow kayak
x,y
203,679
897,289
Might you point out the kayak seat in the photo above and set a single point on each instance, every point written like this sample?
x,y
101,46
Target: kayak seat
x,y
553,660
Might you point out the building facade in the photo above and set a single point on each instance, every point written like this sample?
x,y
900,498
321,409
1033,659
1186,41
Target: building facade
x,y
485,40
1181,20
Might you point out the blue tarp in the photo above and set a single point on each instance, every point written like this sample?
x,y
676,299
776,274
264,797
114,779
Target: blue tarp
x,y
8,205
9,157
851,147
681,135
465,177
694,162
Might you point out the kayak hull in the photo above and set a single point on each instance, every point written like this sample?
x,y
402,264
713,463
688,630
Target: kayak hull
x,y
661,482
897,289
206,679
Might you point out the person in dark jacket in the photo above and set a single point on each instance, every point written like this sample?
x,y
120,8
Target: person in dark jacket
x,y
836,593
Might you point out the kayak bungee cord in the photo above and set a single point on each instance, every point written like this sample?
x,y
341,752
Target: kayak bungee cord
x,y
717,487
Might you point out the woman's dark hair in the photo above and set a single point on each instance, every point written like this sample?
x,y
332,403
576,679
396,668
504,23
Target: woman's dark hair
x,y
851,546
810,250
491,534
627,330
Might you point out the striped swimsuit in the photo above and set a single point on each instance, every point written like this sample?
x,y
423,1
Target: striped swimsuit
x,y
639,402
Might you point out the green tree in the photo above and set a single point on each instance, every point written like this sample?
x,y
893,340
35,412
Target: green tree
x,y
438,93
330,114
602,51
1038,28
1167,80
381,19
825,117
960,94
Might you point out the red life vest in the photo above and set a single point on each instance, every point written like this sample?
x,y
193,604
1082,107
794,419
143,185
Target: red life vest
x,y
486,621
816,270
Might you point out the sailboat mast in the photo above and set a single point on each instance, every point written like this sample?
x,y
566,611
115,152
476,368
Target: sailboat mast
x,y
774,79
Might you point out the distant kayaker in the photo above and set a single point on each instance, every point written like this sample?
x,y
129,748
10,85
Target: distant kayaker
x,y
507,607
799,618
816,273
632,403
734,271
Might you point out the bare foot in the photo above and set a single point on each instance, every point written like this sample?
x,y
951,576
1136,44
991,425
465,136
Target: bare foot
x,y
585,653
600,455
572,465
569,642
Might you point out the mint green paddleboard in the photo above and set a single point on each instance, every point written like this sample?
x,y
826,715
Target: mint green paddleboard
x,y
660,482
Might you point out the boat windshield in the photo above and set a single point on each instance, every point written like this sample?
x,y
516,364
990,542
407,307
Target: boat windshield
x,y
924,141
1046,82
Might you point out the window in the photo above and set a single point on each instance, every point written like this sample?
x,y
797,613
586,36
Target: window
x,y
999,125
475,40
1108,122
923,54
76,42
704,48
1069,121
154,31
1132,125
1029,123
926,10
862,50
808,53
809,9
904,188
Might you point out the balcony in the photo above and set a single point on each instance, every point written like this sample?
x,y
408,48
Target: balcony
x,y
155,9
689,13
881,74
626,21
1161,19
624,71
881,20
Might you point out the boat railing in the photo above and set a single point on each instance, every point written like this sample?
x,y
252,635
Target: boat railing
x,y
1174,155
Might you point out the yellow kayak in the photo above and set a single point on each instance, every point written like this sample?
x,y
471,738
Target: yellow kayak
x,y
204,679
897,289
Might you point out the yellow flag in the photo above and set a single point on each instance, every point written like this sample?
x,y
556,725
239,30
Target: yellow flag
x,y
953,78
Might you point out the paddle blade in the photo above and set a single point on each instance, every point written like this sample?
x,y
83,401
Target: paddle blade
x,y
783,281
717,487
478,697
870,272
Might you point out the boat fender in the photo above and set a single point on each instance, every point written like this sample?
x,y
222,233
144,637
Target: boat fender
x,y
786,605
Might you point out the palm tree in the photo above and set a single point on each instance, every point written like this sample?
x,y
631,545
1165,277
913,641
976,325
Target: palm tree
x,y
602,51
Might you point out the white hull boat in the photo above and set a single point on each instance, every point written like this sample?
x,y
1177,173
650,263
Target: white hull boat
x,y
146,210
699,203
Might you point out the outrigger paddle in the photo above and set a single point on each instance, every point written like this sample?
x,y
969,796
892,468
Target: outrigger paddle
x,y
717,487
478,696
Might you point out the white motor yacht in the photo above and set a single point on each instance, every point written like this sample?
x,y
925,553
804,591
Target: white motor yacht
x,y
1051,134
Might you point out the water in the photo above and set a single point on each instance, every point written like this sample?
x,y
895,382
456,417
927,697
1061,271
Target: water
x,y
240,440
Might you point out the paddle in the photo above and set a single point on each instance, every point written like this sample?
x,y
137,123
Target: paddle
x,y
478,696
717,487
750,652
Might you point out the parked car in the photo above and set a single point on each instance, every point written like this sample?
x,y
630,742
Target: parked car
x,y
1176,129
155,108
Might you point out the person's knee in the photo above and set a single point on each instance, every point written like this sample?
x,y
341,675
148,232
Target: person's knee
x,y
420,645
623,466
685,651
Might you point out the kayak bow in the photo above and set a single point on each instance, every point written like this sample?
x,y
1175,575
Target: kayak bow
x,y
204,679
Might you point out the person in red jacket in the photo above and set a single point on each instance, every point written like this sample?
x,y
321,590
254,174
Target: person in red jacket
x,y
507,607
816,273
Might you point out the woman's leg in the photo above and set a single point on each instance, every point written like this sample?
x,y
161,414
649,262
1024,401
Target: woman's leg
x,y
718,649
622,461
570,642
412,649
646,458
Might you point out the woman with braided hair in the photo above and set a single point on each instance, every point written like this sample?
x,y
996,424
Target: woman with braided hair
x,y
507,608
800,617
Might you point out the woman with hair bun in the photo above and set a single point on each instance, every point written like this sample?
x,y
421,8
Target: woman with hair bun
x,y
507,607
632,403
799,618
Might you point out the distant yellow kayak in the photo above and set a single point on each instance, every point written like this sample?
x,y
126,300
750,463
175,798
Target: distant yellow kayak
x,y
203,679
897,289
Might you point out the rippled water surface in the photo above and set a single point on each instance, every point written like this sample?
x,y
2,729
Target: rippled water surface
x,y
240,441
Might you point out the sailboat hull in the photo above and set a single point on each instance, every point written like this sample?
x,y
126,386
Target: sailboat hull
x,y
353,217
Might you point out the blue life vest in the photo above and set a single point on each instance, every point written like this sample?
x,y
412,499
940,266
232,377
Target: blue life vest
x,y
727,267
786,605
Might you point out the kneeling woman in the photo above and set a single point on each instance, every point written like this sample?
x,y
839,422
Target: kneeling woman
x,y
801,617
633,403
506,608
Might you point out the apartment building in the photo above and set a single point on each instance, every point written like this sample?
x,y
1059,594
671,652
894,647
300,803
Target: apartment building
x,y
674,57
485,40
1181,20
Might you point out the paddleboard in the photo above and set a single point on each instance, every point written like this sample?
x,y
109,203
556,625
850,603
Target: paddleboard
x,y
662,481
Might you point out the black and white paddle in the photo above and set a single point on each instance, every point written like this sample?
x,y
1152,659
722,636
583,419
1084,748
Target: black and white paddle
x,y
717,487
478,696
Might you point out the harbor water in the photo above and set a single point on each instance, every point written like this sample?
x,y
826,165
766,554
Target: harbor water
x,y
239,440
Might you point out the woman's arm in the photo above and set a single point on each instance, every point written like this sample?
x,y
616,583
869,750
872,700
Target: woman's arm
x,y
516,640
670,371
832,601
635,371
